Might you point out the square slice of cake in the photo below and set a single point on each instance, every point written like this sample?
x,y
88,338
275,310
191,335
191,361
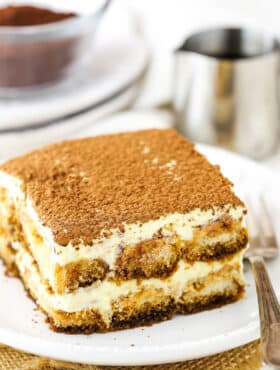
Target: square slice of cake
x,y
121,230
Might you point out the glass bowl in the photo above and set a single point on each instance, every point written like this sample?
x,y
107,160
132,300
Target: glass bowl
x,y
36,58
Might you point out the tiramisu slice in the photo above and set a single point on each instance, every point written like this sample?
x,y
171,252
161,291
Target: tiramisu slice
x,y
121,230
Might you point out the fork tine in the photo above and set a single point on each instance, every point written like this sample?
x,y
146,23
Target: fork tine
x,y
267,227
262,237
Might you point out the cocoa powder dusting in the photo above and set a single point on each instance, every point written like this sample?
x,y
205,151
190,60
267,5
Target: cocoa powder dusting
x,y
25,15
80,188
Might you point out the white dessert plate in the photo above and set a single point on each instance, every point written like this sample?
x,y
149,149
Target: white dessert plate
x,y
182,338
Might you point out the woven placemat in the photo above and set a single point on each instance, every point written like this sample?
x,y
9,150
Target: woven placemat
x,y
242,358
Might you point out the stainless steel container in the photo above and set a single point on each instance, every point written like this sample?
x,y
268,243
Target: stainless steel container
x,y
226,90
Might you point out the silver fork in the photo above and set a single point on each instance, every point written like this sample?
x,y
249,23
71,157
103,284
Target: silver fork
x,y
263,244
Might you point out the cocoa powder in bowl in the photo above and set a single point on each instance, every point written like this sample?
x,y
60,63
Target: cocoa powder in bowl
x,y
33,62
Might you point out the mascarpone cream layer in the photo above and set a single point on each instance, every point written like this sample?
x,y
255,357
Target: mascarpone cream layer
x,y
101,294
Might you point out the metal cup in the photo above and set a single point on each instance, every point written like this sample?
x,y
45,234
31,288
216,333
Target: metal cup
x,y
227,90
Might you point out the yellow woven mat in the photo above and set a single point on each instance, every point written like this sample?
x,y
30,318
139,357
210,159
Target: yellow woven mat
x,y
242,358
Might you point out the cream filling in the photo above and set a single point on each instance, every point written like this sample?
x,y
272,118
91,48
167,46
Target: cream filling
x,y
48,252
101,294
47,259
107,248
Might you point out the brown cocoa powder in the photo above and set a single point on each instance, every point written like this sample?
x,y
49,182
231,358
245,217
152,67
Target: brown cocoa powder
x,y
82,187
25,15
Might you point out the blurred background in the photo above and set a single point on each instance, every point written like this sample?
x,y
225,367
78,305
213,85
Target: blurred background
x,y
118,63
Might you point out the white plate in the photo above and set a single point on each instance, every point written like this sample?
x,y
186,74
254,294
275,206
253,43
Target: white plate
x,y
16,143
182,338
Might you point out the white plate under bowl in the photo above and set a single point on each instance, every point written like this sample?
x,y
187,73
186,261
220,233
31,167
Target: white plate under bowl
x,y
21,141
182,338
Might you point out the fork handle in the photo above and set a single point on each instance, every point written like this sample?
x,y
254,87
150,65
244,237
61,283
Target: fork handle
x,y
269,311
